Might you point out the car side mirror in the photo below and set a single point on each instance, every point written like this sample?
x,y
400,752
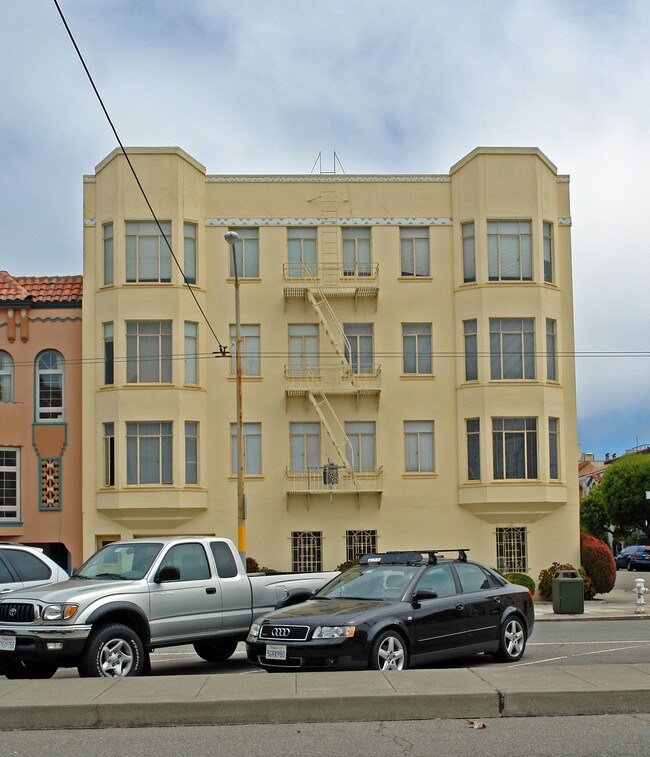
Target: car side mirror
x,y
168,573
425,594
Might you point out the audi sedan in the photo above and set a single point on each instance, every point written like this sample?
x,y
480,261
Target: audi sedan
x,y
394,610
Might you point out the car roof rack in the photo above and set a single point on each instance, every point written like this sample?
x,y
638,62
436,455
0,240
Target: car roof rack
x,y
411,557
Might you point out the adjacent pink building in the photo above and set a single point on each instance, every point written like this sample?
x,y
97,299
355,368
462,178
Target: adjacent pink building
x,y
40,414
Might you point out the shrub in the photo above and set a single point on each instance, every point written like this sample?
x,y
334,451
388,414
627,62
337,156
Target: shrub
x,y
347,564
598,562
521,579
252,566
545,581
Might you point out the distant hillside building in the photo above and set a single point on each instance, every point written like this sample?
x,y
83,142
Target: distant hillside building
x,y
415,331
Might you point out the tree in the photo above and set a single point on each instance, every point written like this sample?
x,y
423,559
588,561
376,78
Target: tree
x,y
623,490
595,519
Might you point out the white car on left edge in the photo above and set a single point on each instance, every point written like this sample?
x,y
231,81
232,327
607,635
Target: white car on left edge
x,y
22,566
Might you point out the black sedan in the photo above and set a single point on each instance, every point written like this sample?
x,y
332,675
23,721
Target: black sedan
x,y
394,610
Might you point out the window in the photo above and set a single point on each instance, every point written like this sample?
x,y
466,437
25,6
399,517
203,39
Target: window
x,y
148,256
511,550
554,448
191,332
356,251
6,377
439,579
469,253
359,336
548,253
109,275
471,350
224,559
359,543
49,386
472,577
418,447
191,452
189,250
416,347
514,448
27,566
473,432
306,551
148,352
551,350
109,354
305,446
191,559
303,348
250,353
362,439
302,252
414,250
512,348
247,254
9,483
509,251
149,452
109,454
252,449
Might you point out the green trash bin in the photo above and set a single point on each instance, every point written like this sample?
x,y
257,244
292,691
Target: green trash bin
x,y
568,593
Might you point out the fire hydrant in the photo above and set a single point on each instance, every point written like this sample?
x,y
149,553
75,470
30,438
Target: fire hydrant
x,y
640,592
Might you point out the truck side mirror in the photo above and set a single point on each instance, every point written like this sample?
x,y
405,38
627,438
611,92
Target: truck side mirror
x,y
168,573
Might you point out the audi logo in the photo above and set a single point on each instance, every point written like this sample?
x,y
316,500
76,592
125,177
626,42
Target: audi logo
x,y
280,632
12,612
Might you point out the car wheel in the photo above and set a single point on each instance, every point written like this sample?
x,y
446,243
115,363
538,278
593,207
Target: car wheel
x,y
113,651
512,640
217,650
389,652
629,565
20,669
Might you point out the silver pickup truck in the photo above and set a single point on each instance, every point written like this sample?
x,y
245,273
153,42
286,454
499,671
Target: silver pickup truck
x,y
134,596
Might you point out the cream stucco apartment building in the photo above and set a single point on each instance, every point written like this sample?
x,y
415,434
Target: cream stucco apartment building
x,y
414,333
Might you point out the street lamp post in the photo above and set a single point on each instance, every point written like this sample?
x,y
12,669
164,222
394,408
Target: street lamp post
x,y
231,237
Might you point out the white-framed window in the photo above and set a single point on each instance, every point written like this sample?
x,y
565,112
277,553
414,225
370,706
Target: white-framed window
x,y
554,448
191,345
304,441
250,351
301,244
359,543
469,252
414,251
303,348
109,265
9,484
549,267
416,348
247,254
148,256
419,447
306,551
356,251
149,452
514,448
148,352
512,552
109,354
551,350
512,348
361,456
50,386
189,252
360,354
510,256
109,454
470,333
6,377
252,433
191,452
473,434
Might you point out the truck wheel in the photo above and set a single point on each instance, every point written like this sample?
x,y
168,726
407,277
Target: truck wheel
x,y
389,652
512,640
113,651
19,669
216,650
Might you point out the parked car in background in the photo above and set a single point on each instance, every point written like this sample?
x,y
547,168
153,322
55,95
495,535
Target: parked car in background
x,y
22,567
634,558
394,610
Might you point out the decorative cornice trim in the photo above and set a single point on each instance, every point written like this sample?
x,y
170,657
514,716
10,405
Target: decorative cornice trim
x,y
328,221
564,221
89,179
53,320
90,222
563,179
330,179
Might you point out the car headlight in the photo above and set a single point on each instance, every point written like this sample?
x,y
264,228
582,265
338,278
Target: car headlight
x,y
333,632
254,630
59,612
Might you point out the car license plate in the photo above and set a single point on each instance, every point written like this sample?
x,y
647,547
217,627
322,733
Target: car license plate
x,y
7,643
276,652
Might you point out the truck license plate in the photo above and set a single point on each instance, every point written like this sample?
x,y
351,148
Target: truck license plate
x,y
276,652
7,643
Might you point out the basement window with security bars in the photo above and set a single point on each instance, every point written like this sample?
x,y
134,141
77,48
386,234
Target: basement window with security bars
x,y
512,550
359,543
306,551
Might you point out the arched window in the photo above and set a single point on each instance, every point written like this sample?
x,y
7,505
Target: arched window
x,y
49,386
6,377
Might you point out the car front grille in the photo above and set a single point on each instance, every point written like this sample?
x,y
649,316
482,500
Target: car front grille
x,y
284,633
16,612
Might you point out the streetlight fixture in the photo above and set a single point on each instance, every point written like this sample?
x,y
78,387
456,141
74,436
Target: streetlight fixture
x,y
231,237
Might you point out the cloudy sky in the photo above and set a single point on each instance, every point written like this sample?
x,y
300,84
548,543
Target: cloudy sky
x,y
263,86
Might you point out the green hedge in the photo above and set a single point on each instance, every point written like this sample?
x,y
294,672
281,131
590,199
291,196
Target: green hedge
x,y
521,579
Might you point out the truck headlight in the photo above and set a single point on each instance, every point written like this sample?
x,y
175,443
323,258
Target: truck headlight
x,y
254,630
333,632
59,612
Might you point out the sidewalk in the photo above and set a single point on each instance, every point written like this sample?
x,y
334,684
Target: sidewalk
x,y
618,604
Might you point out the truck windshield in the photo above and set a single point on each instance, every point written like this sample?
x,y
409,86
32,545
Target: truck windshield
x,y
128,561
370,582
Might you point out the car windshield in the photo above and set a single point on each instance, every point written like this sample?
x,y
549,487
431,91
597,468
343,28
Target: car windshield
x,y
115,561
369,582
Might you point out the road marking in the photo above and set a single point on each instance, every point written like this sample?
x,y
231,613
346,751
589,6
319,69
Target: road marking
x,y
581,654
582,643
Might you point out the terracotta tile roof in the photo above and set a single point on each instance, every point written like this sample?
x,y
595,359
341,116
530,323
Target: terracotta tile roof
x,y
41,288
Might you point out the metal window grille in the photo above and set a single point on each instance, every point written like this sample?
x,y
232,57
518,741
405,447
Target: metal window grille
x,y
359,543
512,554
306,551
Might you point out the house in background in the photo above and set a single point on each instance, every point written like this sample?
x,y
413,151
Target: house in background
x,y
40,414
